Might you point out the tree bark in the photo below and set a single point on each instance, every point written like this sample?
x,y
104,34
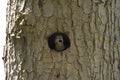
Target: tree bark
x,y
93,27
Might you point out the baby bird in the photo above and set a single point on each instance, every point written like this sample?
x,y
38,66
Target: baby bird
x,y
59,43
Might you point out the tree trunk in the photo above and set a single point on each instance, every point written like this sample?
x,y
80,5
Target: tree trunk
x,y
93,27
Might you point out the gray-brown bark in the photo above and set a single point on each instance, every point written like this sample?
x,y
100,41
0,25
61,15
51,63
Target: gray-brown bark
x,y
94,32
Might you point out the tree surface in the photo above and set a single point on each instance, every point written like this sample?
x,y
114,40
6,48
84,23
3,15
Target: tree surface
x,y
93,27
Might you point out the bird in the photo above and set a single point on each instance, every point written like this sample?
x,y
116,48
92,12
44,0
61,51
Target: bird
x,y
59,43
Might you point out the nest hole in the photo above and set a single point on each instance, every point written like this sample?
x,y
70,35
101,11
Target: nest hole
x,y
58,41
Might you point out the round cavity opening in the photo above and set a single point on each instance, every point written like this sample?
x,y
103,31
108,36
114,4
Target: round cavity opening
x,y
58,41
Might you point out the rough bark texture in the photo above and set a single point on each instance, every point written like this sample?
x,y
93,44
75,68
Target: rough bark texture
x,y
94,31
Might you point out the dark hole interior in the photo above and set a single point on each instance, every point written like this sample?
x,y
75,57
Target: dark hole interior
x,y
60,40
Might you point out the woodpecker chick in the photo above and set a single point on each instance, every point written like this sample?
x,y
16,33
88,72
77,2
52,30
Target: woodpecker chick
x,y
59,43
